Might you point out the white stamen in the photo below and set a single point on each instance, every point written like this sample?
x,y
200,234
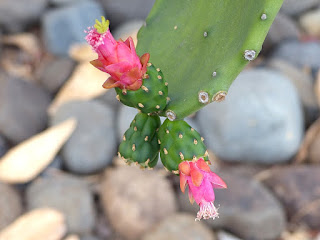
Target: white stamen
x,y
207,211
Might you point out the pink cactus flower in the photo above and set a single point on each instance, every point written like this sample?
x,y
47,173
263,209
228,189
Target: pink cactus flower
x,y
118,58
201,182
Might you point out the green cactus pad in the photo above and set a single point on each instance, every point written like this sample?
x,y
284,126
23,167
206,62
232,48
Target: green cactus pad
x,y
140,142
202,45
151,97
179,142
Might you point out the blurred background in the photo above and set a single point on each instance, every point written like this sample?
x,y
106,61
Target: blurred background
x,y
62,179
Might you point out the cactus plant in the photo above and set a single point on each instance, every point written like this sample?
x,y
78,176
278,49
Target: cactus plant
x,y
140,142
179,142
200,46
151,96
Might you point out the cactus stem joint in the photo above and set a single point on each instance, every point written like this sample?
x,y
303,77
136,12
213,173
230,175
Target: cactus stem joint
x,y
219,96
249,55
171,115
203,97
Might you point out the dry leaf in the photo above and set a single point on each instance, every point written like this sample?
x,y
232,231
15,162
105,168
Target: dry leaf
x,y
82,53
39,224
84,84
26,41
26,160
310,135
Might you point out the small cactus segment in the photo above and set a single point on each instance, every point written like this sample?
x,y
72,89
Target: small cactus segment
x,y
151,97
140,142
180,142
202,45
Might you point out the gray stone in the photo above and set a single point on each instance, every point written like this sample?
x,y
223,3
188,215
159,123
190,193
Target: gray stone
x,y
67,194
297,189
121,11
93,144
65,26
180,226
63,2
135,200
295,7
4,146
283,28
23,108
304,85
226,236
246,208
258,122
16,15
109,98
53,73
56,164
10,205
300,54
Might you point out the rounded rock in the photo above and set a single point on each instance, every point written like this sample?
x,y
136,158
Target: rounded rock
x,y
93,144
258,122
135,200
10,205
67,194
180,226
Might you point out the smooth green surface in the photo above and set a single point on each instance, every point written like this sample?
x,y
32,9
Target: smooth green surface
x,y
179,142
174,35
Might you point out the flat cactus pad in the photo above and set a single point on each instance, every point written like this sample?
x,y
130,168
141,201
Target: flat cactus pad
x,y
202,45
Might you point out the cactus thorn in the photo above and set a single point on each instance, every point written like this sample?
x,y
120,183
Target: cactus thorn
x,y
202,139
195,141
149,64
203,97
180,135
214,74
166,83
205,34
175,27
181,156
118,97
147,162
249,54
194,158
144,88
168,99
157,107
135,129
119,155
124,91
160,93
219,96
133,147
171,115
159,141
140,105
124,138
159,77
146,138
165,151
158,69
175,171
192,129
264,16
145,76
206,154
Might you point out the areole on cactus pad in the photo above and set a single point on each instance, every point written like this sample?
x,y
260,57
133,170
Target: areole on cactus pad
x,y
200,47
